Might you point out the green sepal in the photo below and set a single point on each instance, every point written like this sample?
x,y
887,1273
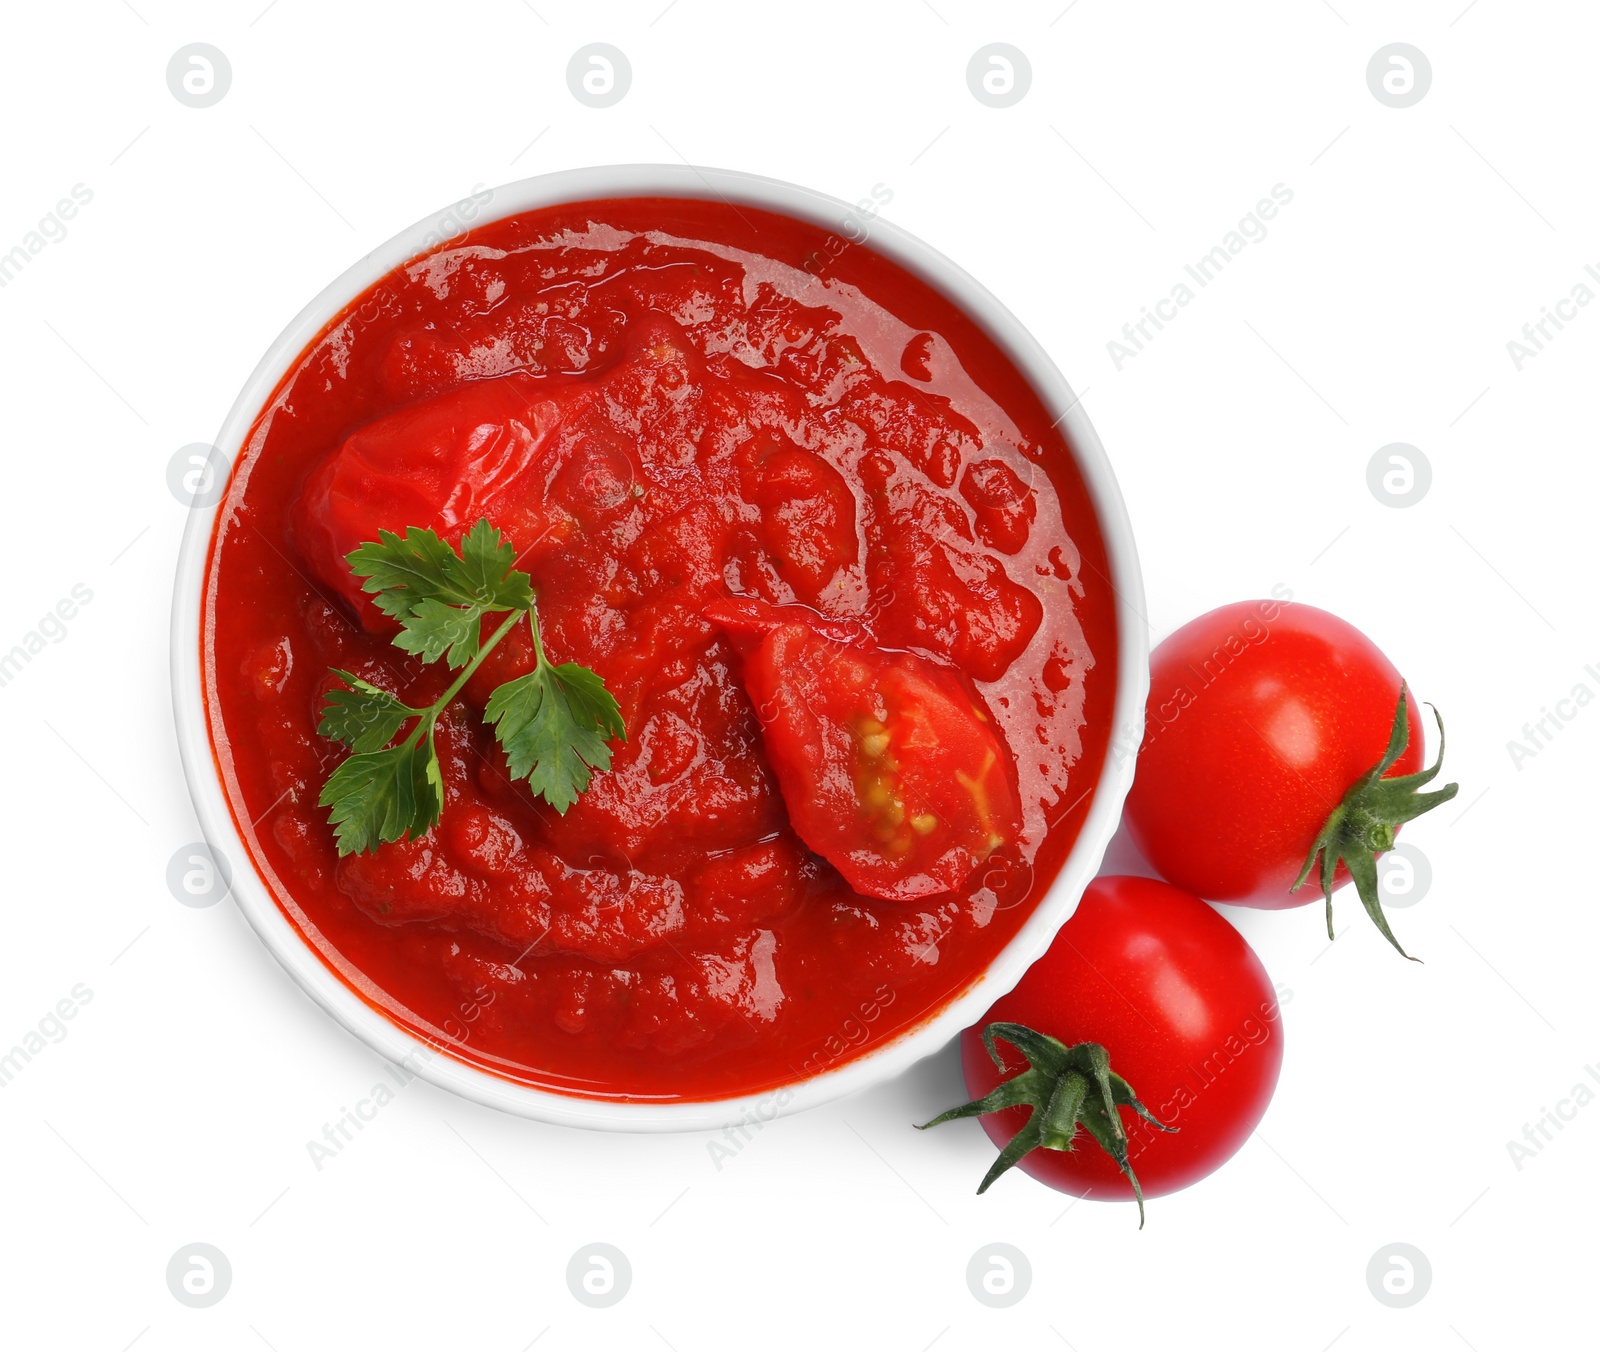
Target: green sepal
x,y
1066,1088
1363,825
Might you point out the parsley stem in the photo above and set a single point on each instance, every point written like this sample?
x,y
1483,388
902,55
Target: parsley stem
x,y
431,714
555,724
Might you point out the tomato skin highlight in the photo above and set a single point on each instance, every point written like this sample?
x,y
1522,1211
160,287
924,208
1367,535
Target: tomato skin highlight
x,y
1261,716
1187,1014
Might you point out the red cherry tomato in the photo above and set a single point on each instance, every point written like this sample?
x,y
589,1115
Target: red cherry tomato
x,y
1261,717
441,463
1186,1014
891,768
543,458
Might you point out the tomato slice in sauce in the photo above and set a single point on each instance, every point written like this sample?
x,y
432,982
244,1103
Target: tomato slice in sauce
x,y
890,766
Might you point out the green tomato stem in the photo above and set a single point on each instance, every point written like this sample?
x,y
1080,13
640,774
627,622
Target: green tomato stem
x,y
1064,1088
1362,827
430,715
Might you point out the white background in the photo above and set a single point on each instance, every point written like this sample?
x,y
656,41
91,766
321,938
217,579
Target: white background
x,y
1378,309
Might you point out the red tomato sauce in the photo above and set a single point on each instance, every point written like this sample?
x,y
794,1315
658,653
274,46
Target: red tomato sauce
x,y
666,405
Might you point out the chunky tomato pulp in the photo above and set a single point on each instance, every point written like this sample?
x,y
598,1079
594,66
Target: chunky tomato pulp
x,y
821,541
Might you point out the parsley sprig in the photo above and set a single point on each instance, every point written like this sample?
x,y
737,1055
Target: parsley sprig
x,y
555,723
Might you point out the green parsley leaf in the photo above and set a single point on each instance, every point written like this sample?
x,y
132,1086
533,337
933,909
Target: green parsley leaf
x,y
438,596
379,796
554,724
364,717
433,629
485,569
401,570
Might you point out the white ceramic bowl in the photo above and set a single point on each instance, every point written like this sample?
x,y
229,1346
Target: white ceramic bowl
x,y
883,1063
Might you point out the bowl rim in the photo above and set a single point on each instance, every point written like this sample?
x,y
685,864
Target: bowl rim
x,y
434,1064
